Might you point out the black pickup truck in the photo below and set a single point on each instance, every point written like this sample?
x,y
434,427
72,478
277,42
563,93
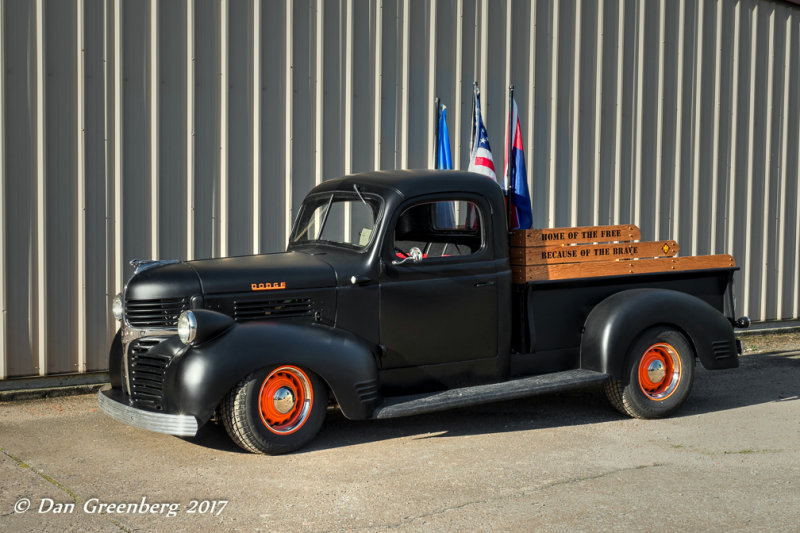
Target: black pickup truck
x,y
395,297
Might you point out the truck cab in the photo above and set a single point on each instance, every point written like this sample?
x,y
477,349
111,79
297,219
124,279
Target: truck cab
x,y
394,297
422,268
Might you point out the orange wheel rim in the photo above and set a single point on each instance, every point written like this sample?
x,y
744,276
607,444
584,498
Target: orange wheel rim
x,y
659,371
285,400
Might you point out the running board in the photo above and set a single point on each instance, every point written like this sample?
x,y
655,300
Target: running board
x,y
494,392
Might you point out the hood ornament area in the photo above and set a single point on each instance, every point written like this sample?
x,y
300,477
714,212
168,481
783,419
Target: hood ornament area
x,y
140,265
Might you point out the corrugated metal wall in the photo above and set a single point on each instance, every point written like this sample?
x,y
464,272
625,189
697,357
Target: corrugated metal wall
x,y
193,128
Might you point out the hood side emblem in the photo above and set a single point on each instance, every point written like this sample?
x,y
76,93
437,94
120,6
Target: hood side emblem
x,y
268,286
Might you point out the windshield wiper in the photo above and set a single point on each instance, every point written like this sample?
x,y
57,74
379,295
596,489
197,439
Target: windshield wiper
x,y
355,188
325,217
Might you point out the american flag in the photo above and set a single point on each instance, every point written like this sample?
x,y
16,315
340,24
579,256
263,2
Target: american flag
x,y
480,159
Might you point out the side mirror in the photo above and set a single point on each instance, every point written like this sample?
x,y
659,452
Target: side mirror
x,y
414,255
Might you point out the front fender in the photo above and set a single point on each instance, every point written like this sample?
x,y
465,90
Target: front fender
x,y
615,323
200,377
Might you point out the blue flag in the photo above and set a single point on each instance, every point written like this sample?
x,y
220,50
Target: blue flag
x,y
444,159
521,213
445,214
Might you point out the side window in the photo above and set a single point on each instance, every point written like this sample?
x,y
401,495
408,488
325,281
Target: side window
x,y
439,229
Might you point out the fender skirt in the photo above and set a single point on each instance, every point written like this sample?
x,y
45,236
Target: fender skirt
x,y
616,322
199,377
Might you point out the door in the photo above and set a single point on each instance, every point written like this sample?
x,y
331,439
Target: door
x,y
443,307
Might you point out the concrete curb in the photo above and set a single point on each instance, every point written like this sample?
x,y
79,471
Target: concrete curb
x,y
50,392
51,386
769,328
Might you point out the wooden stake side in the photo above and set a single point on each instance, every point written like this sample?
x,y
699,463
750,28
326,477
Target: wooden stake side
x,y
585,253
576,235
521,274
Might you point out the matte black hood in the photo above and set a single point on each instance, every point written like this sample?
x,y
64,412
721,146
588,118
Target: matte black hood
x,y
171,280
285,270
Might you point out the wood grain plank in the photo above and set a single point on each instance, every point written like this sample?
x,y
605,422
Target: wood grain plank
x,y
585,253
521,274
575,235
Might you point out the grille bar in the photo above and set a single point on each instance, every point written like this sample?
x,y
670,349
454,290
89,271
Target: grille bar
x,y
147,374
161,313
164,302
264,309
289,304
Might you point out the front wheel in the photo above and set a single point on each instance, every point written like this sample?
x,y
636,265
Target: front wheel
x,y
660,366
276,410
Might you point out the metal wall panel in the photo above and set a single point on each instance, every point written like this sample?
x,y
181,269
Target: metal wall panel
x,y
273,119
60,182
329,111
137,193
207,134
362,76
240,137
98,281
389,80
171,126
20,79
193,128
417,144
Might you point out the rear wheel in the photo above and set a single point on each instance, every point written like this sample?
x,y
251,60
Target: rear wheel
x,y
660,367
276,410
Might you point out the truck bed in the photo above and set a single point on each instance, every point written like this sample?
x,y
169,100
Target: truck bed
x,y
561,274
548,315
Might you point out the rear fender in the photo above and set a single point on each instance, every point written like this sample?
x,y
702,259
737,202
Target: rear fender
x,y
615,323
202,375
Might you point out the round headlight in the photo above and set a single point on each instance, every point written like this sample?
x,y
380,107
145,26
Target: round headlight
x,y
117,307
187,327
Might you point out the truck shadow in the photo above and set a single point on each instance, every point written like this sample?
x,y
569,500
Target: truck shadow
x,y
761,378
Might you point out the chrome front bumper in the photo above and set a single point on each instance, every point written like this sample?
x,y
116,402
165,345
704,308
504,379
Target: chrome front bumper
x,y
180,425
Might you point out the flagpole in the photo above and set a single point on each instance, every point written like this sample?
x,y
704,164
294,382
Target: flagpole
x,y
436,134
509,165
472,132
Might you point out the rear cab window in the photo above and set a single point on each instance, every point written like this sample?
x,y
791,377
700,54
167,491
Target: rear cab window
x,y
440,229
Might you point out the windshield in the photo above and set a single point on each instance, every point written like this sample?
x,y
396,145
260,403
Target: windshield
x,y
337,218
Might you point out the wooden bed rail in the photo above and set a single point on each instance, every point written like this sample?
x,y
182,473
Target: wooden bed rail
x,y
595,251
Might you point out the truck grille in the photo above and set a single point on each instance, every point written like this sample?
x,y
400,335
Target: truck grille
x,y
262,309
162,313
147,374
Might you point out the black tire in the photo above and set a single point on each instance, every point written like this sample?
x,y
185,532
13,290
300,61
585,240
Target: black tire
x,y
254,421
658,349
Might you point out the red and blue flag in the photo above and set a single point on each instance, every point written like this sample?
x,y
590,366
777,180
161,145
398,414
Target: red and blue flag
x,y
519,197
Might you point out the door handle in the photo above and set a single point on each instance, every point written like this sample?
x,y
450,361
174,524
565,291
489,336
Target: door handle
x,y
484,283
